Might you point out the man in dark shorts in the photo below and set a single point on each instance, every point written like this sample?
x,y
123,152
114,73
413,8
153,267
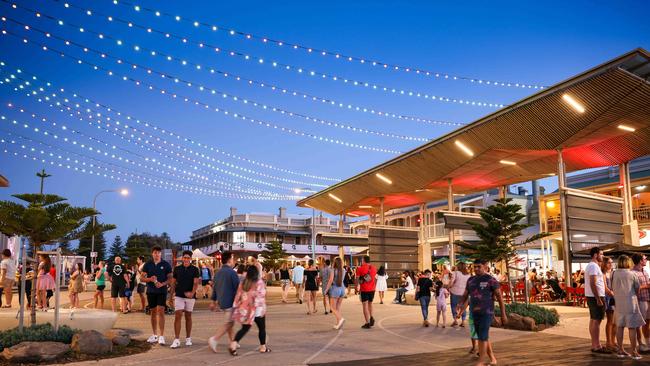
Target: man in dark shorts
x,y
595,294
117,276
157,274
366,282
186,282
480,292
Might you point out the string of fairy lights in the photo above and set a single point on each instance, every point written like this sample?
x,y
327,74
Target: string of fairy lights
x,y
263,61
369,61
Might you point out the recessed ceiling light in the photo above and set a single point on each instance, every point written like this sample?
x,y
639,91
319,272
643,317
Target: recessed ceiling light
x,y
335,198
465,149
507,162
573,103
579,235
640,188
365,206
353,215
550,204
626,128
384,178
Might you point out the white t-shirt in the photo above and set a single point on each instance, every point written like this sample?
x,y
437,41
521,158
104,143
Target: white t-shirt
x,y
10,267
409,284
459,283
593,269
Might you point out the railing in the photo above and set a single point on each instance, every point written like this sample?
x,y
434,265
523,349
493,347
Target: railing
x,y
642,214
437,231
554,224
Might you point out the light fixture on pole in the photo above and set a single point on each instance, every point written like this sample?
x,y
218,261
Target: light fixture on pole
x,y
313,228
123,192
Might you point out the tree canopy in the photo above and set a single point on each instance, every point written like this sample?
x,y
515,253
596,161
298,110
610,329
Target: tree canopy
x,y
273,254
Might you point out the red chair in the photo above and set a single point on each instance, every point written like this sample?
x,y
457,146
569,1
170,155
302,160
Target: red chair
x,y
570,296
580,295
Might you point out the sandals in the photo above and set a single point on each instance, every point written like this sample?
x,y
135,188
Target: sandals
x,y
233,352
266,350
601,350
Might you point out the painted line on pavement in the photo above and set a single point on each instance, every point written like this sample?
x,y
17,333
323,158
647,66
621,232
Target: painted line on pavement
x,y
236,358
338,334
380,322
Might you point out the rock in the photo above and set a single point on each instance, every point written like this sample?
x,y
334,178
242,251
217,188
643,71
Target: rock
x,y
515,321
91,342
496,322
119,337
27,352
529,323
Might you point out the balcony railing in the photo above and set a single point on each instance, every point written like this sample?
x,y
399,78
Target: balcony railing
x,y
642,214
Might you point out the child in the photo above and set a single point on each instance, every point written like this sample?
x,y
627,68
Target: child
x,y
442,293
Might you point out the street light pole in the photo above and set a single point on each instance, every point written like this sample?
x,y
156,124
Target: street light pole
x,y
123,192
313,235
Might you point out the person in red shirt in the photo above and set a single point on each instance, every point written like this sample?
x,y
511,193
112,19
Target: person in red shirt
x,y
366,282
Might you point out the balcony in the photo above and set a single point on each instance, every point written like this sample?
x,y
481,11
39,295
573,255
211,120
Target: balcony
x,y
438,233
642,214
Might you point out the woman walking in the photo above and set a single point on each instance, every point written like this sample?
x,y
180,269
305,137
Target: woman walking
x,y
336,291
285,280
423,292
100,282
382,283
627,314
311,287
250,306
44,281
76,285
457,289
610,326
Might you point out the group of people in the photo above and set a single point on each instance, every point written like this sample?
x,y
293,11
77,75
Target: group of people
x,y
622,297
125,282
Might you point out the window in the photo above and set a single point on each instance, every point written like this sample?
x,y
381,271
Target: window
x,y
238,237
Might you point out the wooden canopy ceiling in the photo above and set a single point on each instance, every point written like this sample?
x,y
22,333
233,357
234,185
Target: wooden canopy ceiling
x,y
527,133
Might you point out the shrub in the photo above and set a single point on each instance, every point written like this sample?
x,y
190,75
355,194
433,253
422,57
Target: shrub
x,y
541,315
37,333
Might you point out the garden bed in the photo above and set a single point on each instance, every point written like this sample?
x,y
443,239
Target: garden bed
x,y
134,347
527,317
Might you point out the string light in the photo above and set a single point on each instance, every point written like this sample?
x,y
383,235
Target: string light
x,y
368,61
207,106
221,94
296,69
178,137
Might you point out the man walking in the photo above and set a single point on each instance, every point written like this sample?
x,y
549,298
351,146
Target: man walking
x,y
643,335
595,293
157,274
480,292
324,277
117,276
366,282
186,281
226,283
7,276
297,278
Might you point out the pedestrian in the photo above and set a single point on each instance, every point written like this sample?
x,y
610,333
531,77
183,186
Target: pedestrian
x,y
226,282
441,304
481,290
336,290
250,306
117,277
7,276
457,286
297,278
285,280
29,276
100,285
382,283
366,283
141,287
407,285
130,276
324,276
595,293
627,314
206,280
610,326
311,286
349,281
44,281
157,274
423,294
76,285
186,279
643,337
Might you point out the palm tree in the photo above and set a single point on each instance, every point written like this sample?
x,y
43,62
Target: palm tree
x,y
45,219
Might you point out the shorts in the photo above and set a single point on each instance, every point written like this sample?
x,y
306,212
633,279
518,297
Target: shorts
x,y
184,304
118,290
285,282
472,328
337,292
205,282
441,306
367,296
597,312
482,323
158,299
227,316
127,293
142,288
101,288
644,307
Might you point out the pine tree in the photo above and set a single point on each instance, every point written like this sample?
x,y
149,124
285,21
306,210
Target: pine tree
x,y
273,254
117,249
85,244
137,245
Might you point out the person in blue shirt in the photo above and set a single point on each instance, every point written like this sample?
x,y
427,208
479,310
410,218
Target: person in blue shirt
x,y
157,274
206,280
226,283
297,278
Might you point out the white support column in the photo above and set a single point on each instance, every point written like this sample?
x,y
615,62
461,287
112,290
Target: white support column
x,y
424,248
566,245
630,225
381,211
341,223
452,239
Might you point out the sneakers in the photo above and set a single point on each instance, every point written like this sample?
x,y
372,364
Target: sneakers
x,y
188,342
161,340
176,343
212,343
152,339
372,322
339,325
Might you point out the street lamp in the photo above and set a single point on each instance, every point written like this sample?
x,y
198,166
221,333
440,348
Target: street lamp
x,y
313,228
123,192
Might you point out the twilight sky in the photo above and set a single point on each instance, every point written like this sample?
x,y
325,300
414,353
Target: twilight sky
x,y
191,157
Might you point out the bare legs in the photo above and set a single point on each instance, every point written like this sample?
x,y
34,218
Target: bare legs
x,y
99,298
442,313
158,320
143,302
610,330
367,311
335,307
311,302
381,297
285,292
178,316
594,332
325,301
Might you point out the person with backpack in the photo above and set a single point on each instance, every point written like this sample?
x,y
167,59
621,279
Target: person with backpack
x,y
366,282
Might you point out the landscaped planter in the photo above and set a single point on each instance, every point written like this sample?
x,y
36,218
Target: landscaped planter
x,y
82,319
527,317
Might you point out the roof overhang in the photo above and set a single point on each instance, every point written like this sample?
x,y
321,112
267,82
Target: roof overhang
x,y
528,133
4,182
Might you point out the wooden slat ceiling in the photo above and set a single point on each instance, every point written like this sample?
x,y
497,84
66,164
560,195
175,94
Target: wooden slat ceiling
x,y
528,133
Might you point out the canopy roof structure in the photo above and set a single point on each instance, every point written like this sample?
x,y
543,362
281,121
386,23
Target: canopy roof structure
x,y
4,182
597,118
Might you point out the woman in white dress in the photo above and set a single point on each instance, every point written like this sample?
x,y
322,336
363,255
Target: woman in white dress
x,y
382,285
627,313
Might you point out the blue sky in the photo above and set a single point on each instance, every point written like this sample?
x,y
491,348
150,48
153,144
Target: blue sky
x,y
524,42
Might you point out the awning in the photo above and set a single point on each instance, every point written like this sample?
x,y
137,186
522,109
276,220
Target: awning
x,y
198,254
4,182
526,135
296,233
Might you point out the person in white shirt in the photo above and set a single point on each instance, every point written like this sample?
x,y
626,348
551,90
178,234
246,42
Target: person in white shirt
x,y
406,287
457,289
297,278
595,293
7,276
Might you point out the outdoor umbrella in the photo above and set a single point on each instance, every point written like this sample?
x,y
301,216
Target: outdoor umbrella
x,y
442,260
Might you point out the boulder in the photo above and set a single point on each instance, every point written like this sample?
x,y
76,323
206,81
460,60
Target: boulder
x,y
28,352
515,321
496,322
529,323
91,342
119,337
